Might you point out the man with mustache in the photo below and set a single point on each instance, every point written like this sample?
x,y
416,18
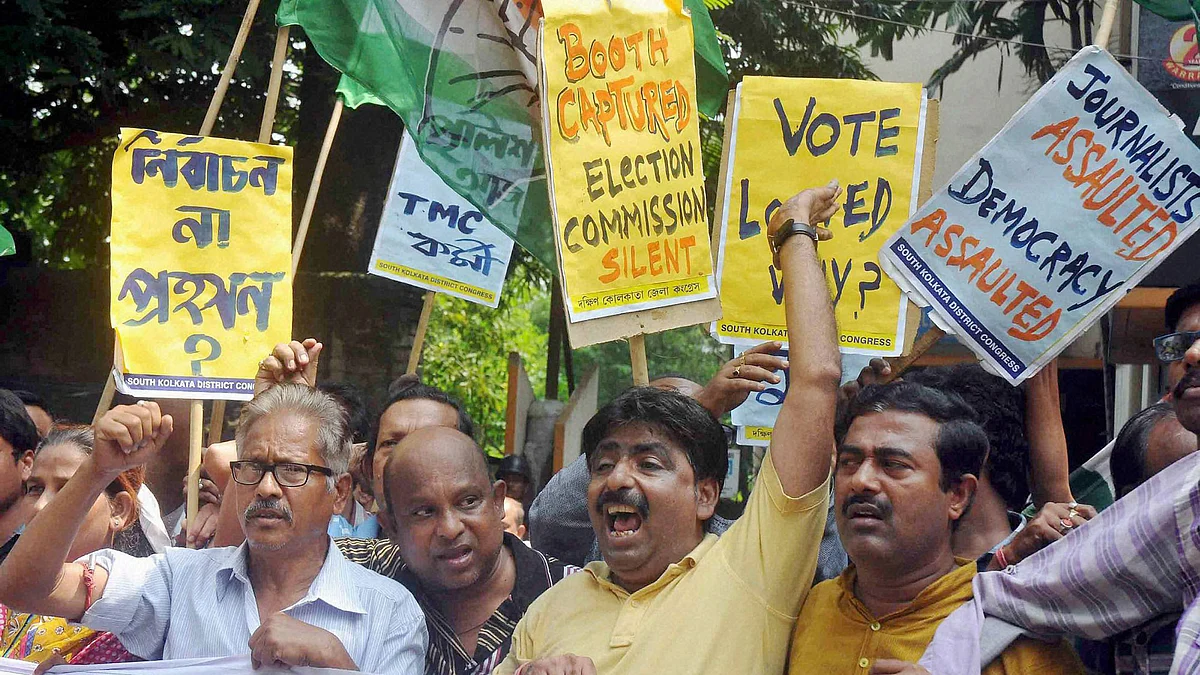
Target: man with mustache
x,y
669,597
285,597
905,474
449,548
1136,562
18,438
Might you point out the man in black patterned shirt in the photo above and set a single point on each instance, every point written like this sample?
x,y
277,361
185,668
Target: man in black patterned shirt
x,y
473,580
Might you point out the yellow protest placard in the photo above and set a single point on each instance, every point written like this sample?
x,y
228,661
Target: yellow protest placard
x,y
623,155
201,262
792,133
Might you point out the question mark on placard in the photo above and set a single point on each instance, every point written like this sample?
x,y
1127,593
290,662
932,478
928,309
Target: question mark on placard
x,y
191,346
864,286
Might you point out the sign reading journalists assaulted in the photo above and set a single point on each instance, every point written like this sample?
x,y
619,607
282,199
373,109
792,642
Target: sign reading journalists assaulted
x,y
789,134
623,154
432,238
201,260
1086,189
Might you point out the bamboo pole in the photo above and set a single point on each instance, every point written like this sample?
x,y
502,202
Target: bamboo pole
x,y
276,82
1107,21
310,201
210,118
637,356
900,364
106,397
414,355
194,452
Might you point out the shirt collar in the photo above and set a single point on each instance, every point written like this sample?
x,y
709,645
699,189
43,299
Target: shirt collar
x,y
332,585
951,589
533,575
603,575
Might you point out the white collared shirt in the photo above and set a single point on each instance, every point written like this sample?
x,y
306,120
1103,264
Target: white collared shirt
x,y
185,604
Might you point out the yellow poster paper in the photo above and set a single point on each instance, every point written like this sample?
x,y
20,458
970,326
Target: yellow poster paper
x,y
201,262
790,134
623,155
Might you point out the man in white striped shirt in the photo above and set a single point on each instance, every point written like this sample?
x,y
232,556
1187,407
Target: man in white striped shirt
x,y
285,597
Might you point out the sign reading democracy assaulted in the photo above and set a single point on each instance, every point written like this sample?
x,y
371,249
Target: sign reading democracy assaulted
x,y
432,238
201,260
789,134
623,154
1086,189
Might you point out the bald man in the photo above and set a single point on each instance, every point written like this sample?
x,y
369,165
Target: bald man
x,y
473,580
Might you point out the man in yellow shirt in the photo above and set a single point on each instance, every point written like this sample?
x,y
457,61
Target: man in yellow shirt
x,y
668,598
905,474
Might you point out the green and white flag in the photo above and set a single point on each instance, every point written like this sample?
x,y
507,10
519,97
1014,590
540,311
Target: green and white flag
x,y
7,246
462,75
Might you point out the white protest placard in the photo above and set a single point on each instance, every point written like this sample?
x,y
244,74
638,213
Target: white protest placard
x,y
755,418
432,238
1086,190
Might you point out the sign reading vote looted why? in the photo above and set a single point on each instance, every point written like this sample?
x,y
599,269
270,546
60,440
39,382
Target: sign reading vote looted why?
x,y
1086,189
201,260
432,238
789,134
623,140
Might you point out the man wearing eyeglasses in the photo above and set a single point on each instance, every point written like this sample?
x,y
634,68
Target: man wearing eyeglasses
x,y
1180,350
286,597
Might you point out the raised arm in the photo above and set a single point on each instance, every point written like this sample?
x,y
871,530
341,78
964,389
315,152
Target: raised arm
x,y
33,578
1049,469
802,442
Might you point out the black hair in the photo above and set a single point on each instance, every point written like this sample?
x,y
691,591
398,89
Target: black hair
x,y
1128,459
961,444
34,400
687,422
352,400
1181,301
16,427
410,387
1001,412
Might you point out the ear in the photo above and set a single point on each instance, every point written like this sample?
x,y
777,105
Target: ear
x,y
124,511
499,492
341,492
707,495
25,465
521,530
961,495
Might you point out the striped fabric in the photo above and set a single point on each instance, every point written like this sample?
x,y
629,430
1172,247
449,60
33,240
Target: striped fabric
x,y
1134,562
184,603
446,656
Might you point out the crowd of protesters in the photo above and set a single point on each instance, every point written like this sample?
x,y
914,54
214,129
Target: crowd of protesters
x,y
921,524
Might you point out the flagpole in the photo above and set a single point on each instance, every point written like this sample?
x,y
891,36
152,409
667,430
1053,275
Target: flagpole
x,y
637,356
414,354
310,201
193,475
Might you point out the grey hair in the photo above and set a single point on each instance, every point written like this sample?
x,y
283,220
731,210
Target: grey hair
x,y
333,433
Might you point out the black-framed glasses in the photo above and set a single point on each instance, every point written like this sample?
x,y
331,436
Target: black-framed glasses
x,y
1173,347
287,474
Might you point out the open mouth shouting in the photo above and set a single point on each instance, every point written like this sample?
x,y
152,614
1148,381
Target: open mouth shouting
x,y
623,513
623,520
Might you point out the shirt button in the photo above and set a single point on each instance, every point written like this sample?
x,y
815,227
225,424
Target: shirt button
x,y
875,625
864,662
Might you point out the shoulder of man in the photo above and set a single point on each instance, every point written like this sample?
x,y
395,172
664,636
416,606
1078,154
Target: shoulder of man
x,y
536,571
378,555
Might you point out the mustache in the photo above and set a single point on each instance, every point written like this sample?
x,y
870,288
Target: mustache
x,y
270,506
1190,379
625,497
880,504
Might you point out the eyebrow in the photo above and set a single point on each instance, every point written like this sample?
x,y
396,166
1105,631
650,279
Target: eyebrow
x,y
885,451
656,448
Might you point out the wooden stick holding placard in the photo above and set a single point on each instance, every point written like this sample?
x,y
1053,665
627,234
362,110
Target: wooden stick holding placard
x,y
637,356
193,476
1107,20
414,354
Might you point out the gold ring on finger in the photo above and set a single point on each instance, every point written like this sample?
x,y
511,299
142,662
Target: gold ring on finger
x,y
737,372
1072,513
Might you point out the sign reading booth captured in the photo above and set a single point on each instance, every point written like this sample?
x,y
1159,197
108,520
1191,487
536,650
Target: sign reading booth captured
x,y
201,261
432,238
1085,190
789,134
623,154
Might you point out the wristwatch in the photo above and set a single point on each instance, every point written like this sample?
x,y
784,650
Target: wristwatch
x,y
786,231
